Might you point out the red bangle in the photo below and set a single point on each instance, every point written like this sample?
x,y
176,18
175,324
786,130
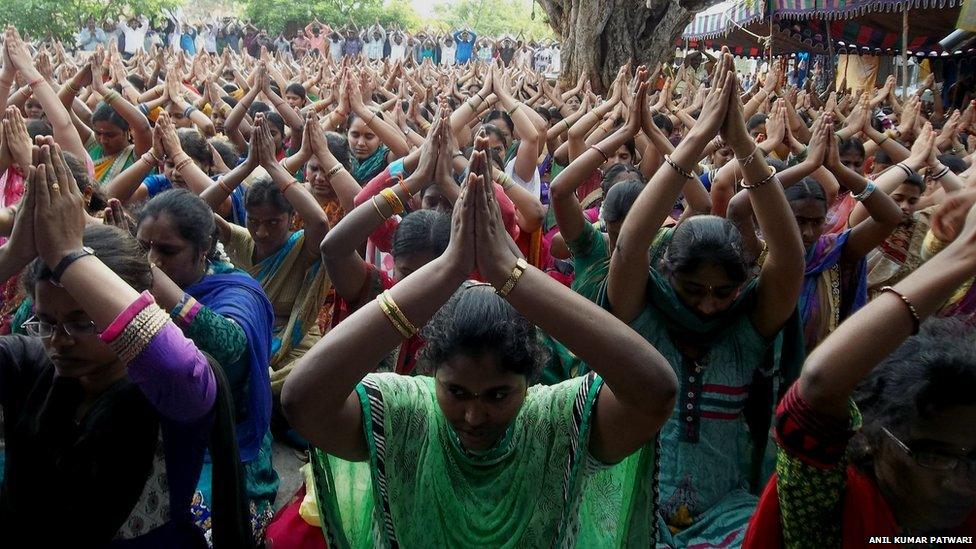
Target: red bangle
x,y
603,154
34,82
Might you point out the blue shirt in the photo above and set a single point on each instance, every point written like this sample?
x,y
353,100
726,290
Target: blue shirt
x,y
464,49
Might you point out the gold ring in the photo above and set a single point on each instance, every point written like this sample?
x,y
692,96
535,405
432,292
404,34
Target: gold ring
x,y
55,187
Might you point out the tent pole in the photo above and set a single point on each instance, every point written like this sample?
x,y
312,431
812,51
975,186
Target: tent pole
x,y
904,53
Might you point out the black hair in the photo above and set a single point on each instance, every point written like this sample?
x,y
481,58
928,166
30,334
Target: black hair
x,y
915,180
231,102
97,202
229,88
264,191
619,199
296,89
422,231
955,163
117,249
194,144
705,239
807,189
755,121
277,120
105,113
256,107
36,127
613,176
190,216
663,123
137,81
881,157
932,371
477,322
226,151
852,145
496,114
339,147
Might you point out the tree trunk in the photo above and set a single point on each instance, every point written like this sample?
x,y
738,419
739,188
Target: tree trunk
x,y
600,36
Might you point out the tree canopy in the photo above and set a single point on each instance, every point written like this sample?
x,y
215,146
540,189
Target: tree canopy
x,y
495,17
62,18
288,15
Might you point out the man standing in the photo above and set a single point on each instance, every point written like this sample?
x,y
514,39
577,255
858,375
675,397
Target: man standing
x,y
374,39
465,39
91,36
134,31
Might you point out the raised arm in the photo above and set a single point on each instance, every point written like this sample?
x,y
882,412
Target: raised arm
x,y
781,277
841,361
627,288
388,133
64,131
138,123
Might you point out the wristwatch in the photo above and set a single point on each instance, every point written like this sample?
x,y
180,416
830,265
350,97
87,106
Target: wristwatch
x,y
66,262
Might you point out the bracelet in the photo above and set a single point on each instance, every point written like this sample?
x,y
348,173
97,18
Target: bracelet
x,y
404,188
908,171
885,138
334,170
603,154
424,125
681,171
383,218
149,159
567,124
284,188
478,93
515,108
748,159
34,82
916,320
223,185
70,85
517,272
182,164
393,200
505,181
396,317
371,119
190,109
767,179
942,173
868,191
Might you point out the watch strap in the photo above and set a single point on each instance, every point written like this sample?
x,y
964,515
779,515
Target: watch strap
x,y
66,262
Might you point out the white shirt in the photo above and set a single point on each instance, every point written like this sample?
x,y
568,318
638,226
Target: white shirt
x,y
534,186
398,51
134,38
335,48
449,54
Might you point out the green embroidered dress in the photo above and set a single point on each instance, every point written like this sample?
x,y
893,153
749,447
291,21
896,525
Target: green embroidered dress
x,y
539,487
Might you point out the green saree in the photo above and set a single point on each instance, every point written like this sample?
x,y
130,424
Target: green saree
x,y
538,487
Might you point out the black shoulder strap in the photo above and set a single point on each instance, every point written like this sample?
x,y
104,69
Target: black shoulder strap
x,y
230,509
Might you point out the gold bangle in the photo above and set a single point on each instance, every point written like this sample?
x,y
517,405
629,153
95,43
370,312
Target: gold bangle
x,y
334,170
916,319
767,179
378,212
391,316
410,329
149,159
515,108
520,266
70,85
393,200
284,188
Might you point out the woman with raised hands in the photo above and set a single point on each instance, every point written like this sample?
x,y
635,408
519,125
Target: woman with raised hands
x,y
285,262
882,433
475,455
718,329
106,403
419,237
114,123
374,142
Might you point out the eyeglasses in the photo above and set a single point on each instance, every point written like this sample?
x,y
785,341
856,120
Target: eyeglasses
x,y
933,460
43,329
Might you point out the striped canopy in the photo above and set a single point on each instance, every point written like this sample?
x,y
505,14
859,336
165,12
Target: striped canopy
x,y
854,26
